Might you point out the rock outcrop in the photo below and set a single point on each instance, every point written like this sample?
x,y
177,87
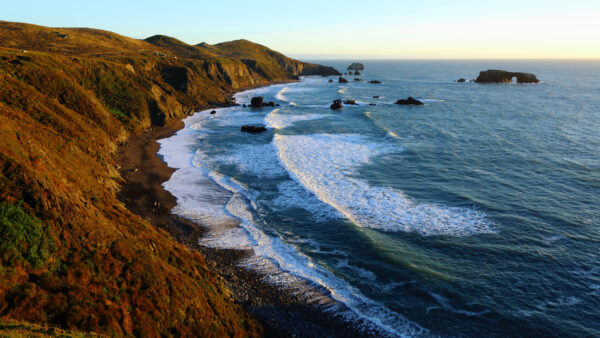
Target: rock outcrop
x,y
337,104
356,66
258,102
409,101
502,76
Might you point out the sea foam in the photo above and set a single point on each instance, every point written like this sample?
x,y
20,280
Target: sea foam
x,y
324,164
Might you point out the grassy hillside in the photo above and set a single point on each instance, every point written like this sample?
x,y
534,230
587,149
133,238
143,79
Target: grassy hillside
x,y
71,255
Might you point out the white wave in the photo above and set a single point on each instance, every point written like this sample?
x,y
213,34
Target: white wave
x,y
280,93
279,121
323,163
342,90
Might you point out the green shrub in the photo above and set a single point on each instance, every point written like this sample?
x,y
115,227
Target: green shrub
x,y
22,236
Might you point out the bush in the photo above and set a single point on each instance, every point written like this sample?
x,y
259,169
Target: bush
x,y
22,236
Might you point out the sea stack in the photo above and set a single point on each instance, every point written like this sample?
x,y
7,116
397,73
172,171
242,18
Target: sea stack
x,y
356,66
503,76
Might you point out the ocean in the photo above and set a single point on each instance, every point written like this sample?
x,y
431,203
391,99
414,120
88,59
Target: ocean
x,y
475,214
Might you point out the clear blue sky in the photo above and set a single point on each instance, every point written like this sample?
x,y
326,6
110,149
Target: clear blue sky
x,y
345,29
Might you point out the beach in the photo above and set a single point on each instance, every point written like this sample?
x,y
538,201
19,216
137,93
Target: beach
x,y
279,310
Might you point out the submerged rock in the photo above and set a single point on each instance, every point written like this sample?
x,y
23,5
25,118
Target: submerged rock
x,y
357,79
337,104
409,101
375,82
342,80
375,96
351,102
461,80
502,76
330,80
253,129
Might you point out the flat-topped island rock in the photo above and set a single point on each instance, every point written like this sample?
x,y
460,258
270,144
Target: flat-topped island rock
x,y
502,76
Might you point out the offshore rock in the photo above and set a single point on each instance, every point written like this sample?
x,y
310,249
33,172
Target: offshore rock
x,y
337,104
253,129
258,102
409,101
357,73
342,80
502,76
461,80
356,66
357,79
351,102
375,82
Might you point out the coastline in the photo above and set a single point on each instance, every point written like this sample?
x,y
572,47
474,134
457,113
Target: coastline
x,y
280,311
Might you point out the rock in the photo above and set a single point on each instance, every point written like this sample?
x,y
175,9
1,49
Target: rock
x,y
409,101
244,105
356,72
357,79
461,80
330,80
375,96
352,102
356,66
372,104
342,80
337,104
213,112
295,77
258,102
502,76
375,82
253,129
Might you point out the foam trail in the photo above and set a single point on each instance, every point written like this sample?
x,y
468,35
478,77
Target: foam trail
x,y
323,163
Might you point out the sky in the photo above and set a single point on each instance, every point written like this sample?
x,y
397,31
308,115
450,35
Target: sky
x,y
332,29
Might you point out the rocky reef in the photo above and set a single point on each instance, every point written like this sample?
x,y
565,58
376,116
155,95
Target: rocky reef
x,y
502,76
409,101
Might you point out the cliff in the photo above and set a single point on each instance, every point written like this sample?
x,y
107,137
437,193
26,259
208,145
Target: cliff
x,y
502,76
71,255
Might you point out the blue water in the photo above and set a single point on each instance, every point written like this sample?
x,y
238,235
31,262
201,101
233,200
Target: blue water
x,y
475,214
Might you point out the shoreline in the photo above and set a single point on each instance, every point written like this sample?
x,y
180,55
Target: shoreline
x,y
279,310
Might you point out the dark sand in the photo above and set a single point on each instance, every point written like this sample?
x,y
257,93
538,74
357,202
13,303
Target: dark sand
x,y
279,310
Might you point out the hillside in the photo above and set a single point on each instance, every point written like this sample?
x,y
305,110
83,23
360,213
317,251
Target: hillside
x,y
71,255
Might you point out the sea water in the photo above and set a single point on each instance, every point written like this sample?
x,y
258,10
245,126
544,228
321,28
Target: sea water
x,y
474,214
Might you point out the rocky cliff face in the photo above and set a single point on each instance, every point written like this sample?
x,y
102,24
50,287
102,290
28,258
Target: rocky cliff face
x,y
502,76
68,98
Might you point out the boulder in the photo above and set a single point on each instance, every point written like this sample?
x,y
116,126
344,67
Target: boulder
x,y
253,129
375,96
375,82
356,66
213,112
258,102
351,102
502,76
409,101
330,80
461,80
342,80
337,104
294,77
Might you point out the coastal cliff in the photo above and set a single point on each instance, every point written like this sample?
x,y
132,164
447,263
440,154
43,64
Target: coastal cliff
x,y
71,254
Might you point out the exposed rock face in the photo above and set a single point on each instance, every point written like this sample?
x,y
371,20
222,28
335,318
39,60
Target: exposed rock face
x,y
375,82
409,101
258,102
294,77
342,80
351,102
337,104
253,129
502,76
356,66
461,80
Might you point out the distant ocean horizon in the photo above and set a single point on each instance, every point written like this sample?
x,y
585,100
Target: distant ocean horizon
x,y
475,214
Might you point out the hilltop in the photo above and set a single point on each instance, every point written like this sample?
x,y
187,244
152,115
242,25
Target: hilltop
x,y
71,254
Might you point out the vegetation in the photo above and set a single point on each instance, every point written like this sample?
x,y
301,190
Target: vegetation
x,y
71,255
